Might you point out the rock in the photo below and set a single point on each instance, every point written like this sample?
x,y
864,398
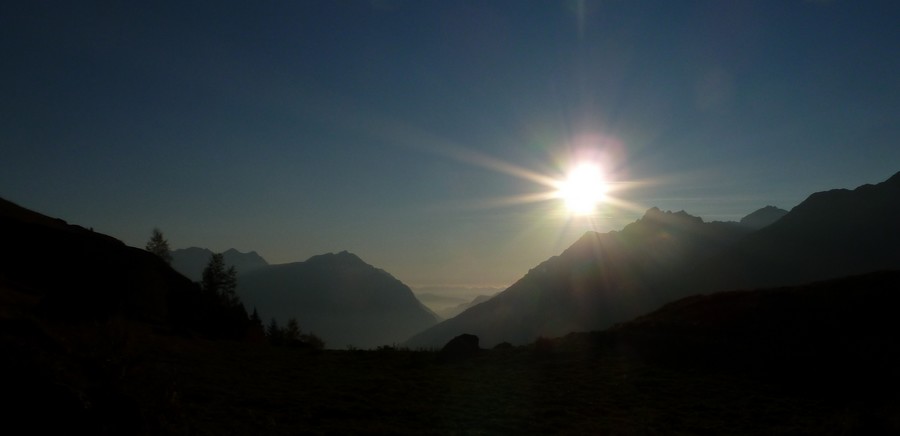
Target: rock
x,y
460,347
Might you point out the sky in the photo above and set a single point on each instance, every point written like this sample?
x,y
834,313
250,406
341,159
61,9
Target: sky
x,y
426,136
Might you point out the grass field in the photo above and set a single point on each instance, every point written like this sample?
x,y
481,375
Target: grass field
x,y
197,387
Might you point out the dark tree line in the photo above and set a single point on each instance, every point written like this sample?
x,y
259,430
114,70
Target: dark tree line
x,y
291,336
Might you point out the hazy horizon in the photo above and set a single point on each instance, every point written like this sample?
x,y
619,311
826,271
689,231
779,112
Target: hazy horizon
x,y
429,138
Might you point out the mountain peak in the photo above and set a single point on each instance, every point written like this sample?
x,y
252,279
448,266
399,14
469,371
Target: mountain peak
x,y
762,217
654,214
344,257
235,251
340,297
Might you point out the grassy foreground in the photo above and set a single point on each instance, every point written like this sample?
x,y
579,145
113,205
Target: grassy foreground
x,y
198,387
122,377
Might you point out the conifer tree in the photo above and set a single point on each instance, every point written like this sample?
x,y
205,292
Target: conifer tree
x,y
219,281
159,246
255,319
292,332
274,332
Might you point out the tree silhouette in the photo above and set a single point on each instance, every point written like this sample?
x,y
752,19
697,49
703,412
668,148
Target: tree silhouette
x,y
274,332
292,331
219,281
159,246
255,319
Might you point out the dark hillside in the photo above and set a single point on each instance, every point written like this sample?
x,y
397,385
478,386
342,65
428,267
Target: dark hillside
x,y
836,334
79,273
73,273
76,309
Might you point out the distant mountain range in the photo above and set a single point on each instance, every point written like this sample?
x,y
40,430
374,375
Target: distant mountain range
x,y
191,261
607,278
340,298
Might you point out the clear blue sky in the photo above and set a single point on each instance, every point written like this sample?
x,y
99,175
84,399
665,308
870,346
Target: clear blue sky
x,y
403,130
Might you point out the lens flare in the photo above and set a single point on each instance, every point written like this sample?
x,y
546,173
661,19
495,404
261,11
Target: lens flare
x,y
583,189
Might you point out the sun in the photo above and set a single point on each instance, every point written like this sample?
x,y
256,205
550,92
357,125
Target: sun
x,y
583,189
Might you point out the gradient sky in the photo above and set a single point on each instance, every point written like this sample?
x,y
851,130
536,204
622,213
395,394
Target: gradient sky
x,y
411,132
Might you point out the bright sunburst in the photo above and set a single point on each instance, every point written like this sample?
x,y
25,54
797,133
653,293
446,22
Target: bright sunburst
x,y
583,189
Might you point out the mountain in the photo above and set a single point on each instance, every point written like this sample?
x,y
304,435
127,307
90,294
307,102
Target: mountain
x,y
607,278
191,261
599,280
762,217
340,298
831,234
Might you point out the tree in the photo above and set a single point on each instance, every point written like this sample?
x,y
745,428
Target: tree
x,y
274,332
255,319
219,281
159,246
292,332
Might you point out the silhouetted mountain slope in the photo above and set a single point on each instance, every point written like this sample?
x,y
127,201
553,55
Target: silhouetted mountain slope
x,y
830,234
79,275
599,280
762,217
75,306
608,278
837,333
340,298
191,261
81,272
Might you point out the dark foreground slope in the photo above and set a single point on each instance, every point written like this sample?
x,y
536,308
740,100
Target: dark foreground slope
x,y
340,298
705,365
839,334
607,278
75,273
73,304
